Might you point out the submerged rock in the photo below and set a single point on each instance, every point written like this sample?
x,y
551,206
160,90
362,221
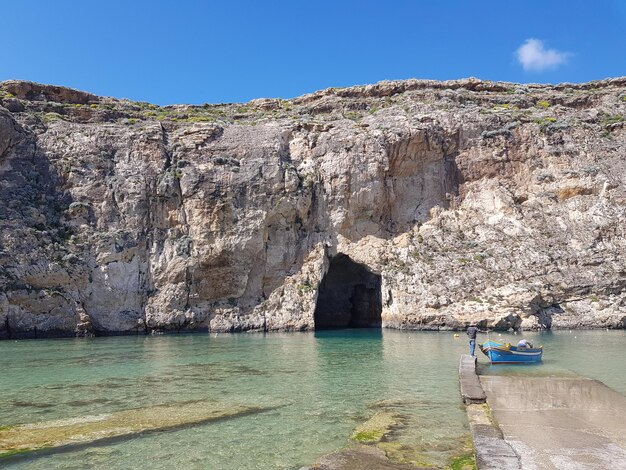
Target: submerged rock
x,y
360,458
377,427
88,429
456,455
454,202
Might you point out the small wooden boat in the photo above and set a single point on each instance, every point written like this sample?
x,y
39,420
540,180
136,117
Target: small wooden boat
x,y
504,353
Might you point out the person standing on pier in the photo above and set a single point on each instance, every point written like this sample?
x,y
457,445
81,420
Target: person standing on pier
x,y
471,332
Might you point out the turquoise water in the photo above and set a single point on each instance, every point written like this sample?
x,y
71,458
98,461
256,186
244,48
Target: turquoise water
x,y
597,354
321,385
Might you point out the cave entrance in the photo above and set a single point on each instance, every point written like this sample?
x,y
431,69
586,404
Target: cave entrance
x,y
349,296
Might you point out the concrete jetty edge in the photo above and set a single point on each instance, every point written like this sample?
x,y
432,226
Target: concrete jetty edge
x,y
491,451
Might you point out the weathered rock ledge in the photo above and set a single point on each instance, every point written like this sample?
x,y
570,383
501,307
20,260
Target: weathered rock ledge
x,y
453,202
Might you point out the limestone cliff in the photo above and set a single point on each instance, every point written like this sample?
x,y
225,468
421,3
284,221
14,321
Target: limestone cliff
x,y
415,204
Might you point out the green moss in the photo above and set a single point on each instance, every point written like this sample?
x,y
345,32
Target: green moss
x,y
375,428
543,104
463,462
368,436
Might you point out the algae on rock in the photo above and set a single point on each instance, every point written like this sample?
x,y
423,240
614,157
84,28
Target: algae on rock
x,y
377,427
26,438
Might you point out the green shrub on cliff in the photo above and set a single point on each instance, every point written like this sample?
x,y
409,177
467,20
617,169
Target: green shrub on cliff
x,y
200,119
543,104
545,121
353,115
608,120
305,287
52,117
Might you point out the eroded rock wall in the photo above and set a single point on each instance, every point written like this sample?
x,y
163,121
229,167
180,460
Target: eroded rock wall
x,y
475,201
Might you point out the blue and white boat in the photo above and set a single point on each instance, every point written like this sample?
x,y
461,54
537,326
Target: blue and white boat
x,y
504,353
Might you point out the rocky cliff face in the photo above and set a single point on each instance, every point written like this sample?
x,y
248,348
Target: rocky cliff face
x,y
432,204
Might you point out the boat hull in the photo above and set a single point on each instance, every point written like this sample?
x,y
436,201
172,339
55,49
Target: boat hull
x,y
499,353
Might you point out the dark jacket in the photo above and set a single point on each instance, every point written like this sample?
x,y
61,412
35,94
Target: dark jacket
x,y
471,332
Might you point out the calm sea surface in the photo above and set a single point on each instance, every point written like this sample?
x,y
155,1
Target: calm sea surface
x,y
317,387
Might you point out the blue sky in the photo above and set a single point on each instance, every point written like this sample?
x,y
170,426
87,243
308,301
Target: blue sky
x,y
227,51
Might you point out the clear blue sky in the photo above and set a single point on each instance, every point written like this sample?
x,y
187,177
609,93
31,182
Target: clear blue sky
x,y
232,50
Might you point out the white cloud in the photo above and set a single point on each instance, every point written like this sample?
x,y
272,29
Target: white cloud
x,y
535,57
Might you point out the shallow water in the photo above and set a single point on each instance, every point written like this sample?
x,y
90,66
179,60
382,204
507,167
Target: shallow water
x,y
597,354
320,386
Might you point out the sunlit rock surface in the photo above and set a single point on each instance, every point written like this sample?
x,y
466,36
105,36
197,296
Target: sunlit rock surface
x,y
473,201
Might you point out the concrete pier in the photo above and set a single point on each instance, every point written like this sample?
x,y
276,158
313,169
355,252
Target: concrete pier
x,y
559,423
543,423
471,390
492,452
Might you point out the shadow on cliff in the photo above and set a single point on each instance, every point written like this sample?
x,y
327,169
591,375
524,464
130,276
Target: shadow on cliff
x,y
36,260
